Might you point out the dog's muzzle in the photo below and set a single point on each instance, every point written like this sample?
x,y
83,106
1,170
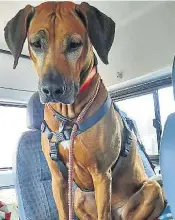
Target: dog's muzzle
x,y
53,88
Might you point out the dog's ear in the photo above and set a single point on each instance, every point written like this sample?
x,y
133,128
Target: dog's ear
x,y
15,31
101,29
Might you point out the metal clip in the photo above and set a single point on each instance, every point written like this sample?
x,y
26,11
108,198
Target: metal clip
x,y
54,151
67,134
43,126
126,151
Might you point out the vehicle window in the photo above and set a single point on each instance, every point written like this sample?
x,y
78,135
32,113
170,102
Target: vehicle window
x,y
167,103
141,109
12,124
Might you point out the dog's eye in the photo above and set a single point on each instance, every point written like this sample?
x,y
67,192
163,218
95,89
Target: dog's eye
x,y
73,46
36,44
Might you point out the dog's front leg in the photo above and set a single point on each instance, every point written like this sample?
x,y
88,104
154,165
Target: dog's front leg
x,y
60,194
102,186
59,184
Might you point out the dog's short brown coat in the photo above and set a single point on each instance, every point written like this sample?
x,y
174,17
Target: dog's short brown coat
x,y
126,193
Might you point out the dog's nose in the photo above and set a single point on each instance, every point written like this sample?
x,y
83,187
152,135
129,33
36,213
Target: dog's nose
x,y
52,85
53,90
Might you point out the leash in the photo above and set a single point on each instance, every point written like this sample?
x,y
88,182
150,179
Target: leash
x,y
71,158
76,125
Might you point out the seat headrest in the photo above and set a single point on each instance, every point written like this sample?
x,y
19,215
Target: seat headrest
x,y
35,112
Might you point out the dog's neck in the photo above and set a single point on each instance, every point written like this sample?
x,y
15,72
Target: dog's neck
x,y
73,110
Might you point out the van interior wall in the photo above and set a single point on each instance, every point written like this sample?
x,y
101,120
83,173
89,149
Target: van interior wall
x,y
144,43
16,85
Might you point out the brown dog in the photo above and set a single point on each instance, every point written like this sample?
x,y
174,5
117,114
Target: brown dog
x,y
60,39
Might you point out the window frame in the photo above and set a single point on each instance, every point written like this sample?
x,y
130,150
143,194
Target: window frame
x,y
140,89
13,104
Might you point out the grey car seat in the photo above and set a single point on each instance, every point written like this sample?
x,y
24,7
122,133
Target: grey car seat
x,y
167,154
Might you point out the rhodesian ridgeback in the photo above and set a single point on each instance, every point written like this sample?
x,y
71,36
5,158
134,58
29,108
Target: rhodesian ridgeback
x,y
61,37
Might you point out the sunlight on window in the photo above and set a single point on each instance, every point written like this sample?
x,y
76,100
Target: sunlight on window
x,y
141,109
12,124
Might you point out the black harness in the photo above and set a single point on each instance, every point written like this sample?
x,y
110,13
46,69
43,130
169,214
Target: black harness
x,y
65,129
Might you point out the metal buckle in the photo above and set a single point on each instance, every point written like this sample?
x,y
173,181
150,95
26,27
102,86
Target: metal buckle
x,y
54,151
67,134
49,135
54,157
127,145
43,126
126,151
129,139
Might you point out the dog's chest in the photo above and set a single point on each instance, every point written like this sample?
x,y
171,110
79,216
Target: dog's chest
x,y
65,144
82,176
82,158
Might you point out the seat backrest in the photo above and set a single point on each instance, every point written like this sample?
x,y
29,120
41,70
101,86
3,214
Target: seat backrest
x,y
167,154
33,180
35,112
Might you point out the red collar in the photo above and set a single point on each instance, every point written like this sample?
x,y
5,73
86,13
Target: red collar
x,y
86,83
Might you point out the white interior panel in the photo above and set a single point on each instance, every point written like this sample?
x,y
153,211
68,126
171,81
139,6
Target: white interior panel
x,y
22,78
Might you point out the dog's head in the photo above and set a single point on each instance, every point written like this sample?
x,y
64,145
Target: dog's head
x,y
60,38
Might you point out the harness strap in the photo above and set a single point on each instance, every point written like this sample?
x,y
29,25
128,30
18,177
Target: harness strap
x,y
65,131
92,120
60,136
128,137
45,129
